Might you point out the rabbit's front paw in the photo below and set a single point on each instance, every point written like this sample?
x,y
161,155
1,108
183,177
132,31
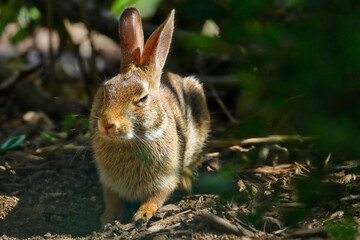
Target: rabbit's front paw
x,y
145,212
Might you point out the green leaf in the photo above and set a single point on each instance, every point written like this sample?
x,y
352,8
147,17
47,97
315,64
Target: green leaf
x,y
12,142
118,6
23,17
74,120
195,41
34,13
20,35
84,124
147,8
48,136
68,122
344,229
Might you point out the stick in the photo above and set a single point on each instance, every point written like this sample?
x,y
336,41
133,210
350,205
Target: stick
x,y
220,224
92,61
262,140
307,233
49,22
351,198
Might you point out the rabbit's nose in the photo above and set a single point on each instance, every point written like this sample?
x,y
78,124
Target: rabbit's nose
x,y
110,129
107,128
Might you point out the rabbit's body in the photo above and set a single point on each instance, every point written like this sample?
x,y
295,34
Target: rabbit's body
x,y
148,128
135,169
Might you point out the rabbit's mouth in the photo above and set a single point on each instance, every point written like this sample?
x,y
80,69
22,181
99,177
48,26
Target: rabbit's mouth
x,y
118,137
114,130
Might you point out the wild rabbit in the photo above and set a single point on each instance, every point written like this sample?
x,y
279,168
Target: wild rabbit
x,y
148,127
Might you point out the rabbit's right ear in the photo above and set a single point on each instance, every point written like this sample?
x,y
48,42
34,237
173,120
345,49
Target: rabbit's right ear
x,y
131,37
157,46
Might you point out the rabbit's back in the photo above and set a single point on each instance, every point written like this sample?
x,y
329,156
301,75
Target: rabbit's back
x,y
185,100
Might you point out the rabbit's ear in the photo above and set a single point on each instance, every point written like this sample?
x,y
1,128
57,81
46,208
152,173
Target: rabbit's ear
x,y
131,37
157,46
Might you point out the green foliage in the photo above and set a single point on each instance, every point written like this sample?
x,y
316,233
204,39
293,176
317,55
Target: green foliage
x,y
85,124
220,183
12,142
48,136
341,230
146,7
27,18
312,191
73,121
203,42
293,215
68,122
298,64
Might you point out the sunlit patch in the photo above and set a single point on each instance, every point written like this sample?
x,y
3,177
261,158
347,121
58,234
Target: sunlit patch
x,y
155,134
128,136
7,205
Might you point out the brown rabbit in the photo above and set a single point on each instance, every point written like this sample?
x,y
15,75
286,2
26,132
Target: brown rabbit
x,y
148,127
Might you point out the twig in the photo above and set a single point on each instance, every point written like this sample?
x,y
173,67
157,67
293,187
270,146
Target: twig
x,y
25,157
327,159
76,50
32,167
275,139
351,198
262,140
92,61
347,165
49,20
218,99
277,232
161,221
247,225
302,167
306,233
182,213
279,169
220,224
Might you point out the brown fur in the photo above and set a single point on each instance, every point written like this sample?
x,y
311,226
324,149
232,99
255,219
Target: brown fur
x,y
148,133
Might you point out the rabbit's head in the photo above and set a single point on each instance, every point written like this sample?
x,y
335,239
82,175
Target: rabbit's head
x,y
128,106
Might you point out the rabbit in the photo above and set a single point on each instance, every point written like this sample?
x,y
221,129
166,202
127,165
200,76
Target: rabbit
x,y
148,127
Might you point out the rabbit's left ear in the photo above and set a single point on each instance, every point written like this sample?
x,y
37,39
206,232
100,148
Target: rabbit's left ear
x,y
157,46
131,37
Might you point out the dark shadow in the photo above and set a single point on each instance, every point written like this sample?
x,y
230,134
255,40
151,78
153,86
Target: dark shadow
x,y
63,197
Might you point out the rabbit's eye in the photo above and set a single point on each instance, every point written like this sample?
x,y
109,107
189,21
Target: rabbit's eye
x,y
143,99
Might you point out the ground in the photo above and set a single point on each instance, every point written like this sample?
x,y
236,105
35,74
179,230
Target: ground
x,y
50,189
